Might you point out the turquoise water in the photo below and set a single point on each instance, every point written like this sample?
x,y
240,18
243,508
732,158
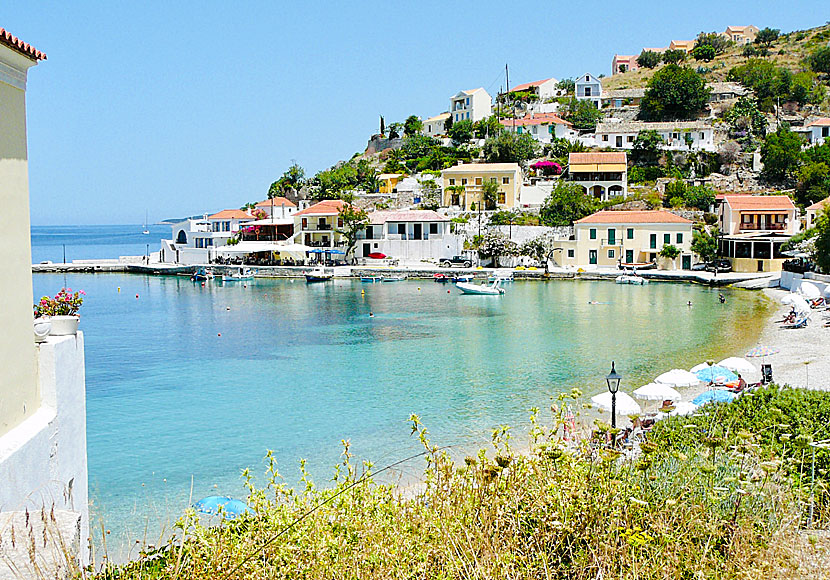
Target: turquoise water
x,y
299,367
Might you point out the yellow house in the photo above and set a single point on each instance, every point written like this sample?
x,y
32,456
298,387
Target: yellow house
x,y
684,45
317,226
741,34
389,181
18,389
755,227
629,238
602,175
463,184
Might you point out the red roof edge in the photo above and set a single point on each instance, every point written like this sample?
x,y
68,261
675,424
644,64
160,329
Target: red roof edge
x,y
24,48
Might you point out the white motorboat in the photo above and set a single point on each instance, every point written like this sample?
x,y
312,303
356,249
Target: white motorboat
x,y
631,279
319,275
501,278
239,275
493,289
400,278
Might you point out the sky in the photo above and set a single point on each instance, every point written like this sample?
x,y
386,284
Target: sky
x,y
182,108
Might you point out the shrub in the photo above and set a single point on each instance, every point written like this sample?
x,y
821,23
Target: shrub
x,y
704,52
820,60
648,59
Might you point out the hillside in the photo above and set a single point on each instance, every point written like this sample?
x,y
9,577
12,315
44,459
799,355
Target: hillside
x,y
788,51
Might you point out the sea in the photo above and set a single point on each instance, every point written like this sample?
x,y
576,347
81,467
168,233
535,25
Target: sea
x,y
189,384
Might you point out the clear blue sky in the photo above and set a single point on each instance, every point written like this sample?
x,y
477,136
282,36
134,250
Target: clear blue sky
x,y
183,107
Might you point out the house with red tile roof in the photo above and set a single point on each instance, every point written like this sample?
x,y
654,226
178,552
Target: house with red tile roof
x,y
544,89
317,226
815,209
602,175
277,207
622,63
409,236
754,228
543,127
608,239
819,130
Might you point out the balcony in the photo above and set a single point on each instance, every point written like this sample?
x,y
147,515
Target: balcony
x,y
316,228
762,227
612,243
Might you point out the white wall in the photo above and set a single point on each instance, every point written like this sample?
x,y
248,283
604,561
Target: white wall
x,y
43,460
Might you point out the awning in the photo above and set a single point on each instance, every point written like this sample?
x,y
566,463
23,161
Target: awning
x,y
251,247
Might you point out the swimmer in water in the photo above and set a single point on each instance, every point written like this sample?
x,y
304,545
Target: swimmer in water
x,y
722,298
689,303
371,315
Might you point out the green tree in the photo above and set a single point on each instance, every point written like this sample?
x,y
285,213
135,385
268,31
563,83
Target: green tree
x,y
781,154
646,150
674,56
820,60
430,194
412,126
670,252
508,147
714,39
353,220
487,127
699,197
767,36
648,59
538,248
566,203
581,113
395,130
674,92
495,245
490,194
705,244
567,86
744,116
765,79
704,52
806,88
276,189
821,252
813,183
461,132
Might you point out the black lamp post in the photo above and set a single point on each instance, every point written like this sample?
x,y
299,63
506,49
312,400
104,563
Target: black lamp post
x,y
613,379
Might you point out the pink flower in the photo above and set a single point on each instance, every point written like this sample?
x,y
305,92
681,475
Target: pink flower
x,y
82,292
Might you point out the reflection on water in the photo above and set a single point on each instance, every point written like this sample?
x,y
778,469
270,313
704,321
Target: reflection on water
x,y
189,381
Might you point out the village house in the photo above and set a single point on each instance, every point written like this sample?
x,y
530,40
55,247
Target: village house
x,y
463,184
195,241
408,235
608,239
754,227
677,135
435,126
819,130
619,98
543,127
686,46
814,210
588,88
544,89
472,105
622,63
389,182
726,91
277,207
741,34
317,225
603,175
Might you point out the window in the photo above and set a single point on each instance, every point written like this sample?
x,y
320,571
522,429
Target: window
x,y
592,233
605,137
619,141
452,181
702,136
505,181
305,223
467,101
340,222
825,131
464,181
652,241
630,139
611,254
433,229
493,180
666,238
518,130
478,181
571,253
612,236
587,91
629,233
587,78
468,114
679,238
501,198
675,135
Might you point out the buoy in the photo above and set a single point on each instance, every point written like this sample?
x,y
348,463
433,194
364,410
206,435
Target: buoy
x,y
419,288
244,285
227,308
119,288
363,292
136,296
203,284
219,334
448,291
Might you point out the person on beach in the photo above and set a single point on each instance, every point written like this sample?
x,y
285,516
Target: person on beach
x,y
741,383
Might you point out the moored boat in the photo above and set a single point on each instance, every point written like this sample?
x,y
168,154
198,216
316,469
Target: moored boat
x,y
463,278
202,274
501,278
240,275
399,278
441,278
631,279
493,289
319,275
371,279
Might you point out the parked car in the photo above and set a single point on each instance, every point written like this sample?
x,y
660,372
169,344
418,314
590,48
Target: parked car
x,y
719,265
798,265
700,266
460,261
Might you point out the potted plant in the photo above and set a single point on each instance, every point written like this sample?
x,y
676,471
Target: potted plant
x,y
62,311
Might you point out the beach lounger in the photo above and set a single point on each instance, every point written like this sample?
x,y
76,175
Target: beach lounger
x,y
800,322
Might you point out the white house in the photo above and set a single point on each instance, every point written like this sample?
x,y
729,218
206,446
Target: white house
x,y
195,241
409,235
43,459
277,207
814,210
472,105
544,89
434,126
819,130
677,135
603,175
542,128
589,88
754,228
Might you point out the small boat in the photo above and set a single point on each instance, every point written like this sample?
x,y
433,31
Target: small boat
x,y
371,279
463,278
501,278
638,265
145,231
319,275
631,279
441,278
399,278
240,275
493,289
202,274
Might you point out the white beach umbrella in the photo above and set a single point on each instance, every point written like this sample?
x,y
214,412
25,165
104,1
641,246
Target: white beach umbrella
x,y
809,290
796,302
657,392
625,404
678,378
737,364
682,409
700,367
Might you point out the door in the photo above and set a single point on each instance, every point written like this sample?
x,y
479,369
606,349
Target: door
x,y
619,141
652,241
687,262
416,231
629,256
592,256
367,249
612,236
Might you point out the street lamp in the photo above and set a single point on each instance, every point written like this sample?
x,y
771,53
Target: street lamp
x,y
613,379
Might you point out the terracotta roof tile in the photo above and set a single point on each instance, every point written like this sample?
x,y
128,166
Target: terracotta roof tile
x,y
759,202
278,202
633,217
820,204
536,120
526,86
24,48
601,157
325,207
822,122
226,214
415,215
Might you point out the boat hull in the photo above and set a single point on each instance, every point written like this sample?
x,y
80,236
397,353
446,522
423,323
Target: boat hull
x,y
467,288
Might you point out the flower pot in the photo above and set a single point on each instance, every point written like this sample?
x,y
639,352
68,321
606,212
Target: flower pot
x,y
65,325
42,327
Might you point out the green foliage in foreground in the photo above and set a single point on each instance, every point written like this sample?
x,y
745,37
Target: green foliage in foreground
x,y
713,496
